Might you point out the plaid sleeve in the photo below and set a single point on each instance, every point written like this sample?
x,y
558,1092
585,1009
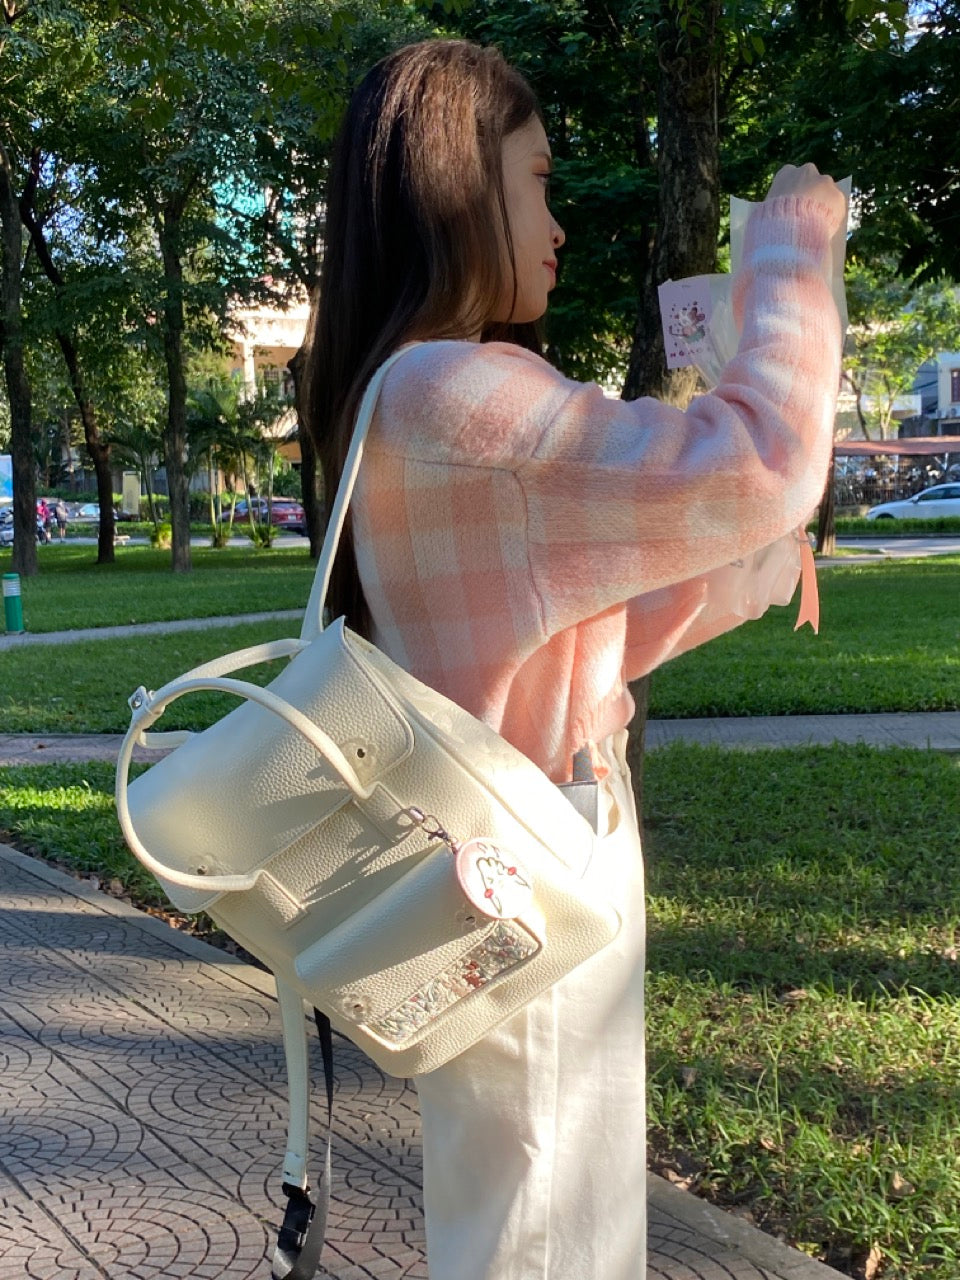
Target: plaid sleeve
x,y
626,499
663,624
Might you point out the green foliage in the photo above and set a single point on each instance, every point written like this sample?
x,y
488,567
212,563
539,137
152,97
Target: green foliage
x,y
222,115
867,91
894,328
261,534
852,526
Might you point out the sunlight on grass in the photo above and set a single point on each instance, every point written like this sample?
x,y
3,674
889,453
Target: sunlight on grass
x,y
889,641
804,993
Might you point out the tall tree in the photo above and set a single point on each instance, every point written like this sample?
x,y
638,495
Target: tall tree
x,y
175,122
895,327
44,50
11,306
66,329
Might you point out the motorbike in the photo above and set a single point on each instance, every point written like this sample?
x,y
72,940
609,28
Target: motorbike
x,y
6,529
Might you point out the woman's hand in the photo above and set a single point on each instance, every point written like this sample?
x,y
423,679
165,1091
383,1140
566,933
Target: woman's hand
x,y
808,183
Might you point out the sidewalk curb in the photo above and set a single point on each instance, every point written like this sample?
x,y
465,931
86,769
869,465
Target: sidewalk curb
x,y
727,1229
923,730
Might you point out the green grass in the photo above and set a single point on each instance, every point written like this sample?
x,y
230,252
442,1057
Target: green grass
x,y
804,993
860,526
83,687
803,990
72,590
889,641
66,813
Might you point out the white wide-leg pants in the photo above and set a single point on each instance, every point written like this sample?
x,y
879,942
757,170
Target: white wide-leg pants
x,y
534,1140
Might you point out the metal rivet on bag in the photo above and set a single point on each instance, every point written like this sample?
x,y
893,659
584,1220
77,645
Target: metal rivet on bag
x,y
467,919
202,869
355,1007
138,699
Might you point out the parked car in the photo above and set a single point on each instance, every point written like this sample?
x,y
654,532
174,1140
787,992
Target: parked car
x,y
87,511
285,513
91,511
940,500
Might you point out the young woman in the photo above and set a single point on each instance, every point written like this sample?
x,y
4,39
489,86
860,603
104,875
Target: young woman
x,y
527,546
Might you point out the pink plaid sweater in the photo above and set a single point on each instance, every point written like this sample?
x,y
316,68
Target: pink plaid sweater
x,y
528,545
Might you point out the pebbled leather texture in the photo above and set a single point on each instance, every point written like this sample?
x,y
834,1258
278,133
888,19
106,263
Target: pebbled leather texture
x,y
359,908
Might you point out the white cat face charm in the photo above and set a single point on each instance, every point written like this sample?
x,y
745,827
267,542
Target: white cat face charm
x,y
493,879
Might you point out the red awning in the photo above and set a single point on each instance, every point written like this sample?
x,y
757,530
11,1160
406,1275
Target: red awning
x,y
916,445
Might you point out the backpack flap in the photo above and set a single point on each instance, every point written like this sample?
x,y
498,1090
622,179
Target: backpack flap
x,y
230,799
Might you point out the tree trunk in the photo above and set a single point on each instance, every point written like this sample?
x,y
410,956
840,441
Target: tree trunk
x,y
148,485
688,224
175,432
858,401
98,450
826,519
312,507
15,377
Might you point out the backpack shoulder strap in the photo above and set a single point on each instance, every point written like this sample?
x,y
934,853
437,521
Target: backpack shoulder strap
x,y
301,1238
313,618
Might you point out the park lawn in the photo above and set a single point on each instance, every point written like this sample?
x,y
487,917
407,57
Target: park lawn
x,y
83,687
890,641
72,590
804,994
803,990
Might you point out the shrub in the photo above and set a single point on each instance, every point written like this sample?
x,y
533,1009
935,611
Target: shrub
x,y
162,536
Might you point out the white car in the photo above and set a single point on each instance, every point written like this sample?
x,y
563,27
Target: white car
x,y
941,500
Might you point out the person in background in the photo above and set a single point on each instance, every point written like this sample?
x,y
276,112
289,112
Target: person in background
x,y
43,521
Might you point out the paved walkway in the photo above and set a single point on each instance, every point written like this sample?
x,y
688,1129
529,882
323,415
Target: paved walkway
x,y
935,731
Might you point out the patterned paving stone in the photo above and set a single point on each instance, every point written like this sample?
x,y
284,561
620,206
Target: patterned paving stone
x,y
32,1245
55,1139
143,1236
23,1062
143,1116
685,1259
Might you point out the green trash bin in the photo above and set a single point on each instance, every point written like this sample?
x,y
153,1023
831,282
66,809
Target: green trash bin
x,y
12,603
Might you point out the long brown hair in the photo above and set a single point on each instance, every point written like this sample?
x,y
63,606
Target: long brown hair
x,y
416,224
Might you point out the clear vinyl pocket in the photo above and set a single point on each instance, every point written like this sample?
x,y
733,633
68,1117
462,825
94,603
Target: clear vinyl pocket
x,y
411,953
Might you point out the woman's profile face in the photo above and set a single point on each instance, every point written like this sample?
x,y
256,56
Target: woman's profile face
x,y
536,234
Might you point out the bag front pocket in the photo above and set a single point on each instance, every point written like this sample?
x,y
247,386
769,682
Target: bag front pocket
x,y
411,954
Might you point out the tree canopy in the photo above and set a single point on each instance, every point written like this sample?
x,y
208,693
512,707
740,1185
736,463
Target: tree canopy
x,y
160,162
